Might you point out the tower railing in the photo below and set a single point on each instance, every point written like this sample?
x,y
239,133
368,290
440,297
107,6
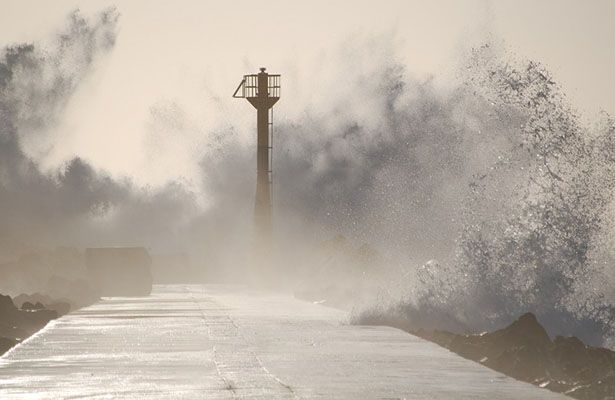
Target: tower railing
x,y
248,88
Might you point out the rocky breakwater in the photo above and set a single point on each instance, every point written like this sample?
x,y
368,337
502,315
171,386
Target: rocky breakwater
x,y
17,325
524,351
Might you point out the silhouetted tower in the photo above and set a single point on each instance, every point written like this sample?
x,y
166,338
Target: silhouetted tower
x,y
262,91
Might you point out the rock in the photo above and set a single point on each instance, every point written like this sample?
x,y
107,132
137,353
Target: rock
x,y
53,276
526,331
34,320
524,351
6,304
31,307
35,316
27,306
16,325
603,389
13,332
61,306
519,350
6,344
572,357
8,311
591,369
31,298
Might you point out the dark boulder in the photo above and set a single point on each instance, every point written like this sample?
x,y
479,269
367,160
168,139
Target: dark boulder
x,y
23,298
37,301
6,306
603,389
27,306
524,351
31,319
34,320
519,350
16,325
6,344
13,332
572,357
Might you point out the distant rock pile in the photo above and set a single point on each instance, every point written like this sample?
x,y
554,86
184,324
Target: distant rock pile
x,y
62,280
16,325
59,274
524,351
37,301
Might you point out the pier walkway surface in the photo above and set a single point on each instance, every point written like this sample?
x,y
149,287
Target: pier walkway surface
x,y
231,342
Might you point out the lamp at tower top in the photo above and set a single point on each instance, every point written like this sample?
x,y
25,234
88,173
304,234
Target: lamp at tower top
x,y
259,86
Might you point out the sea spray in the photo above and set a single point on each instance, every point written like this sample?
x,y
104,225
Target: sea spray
x,y
536,223
495,177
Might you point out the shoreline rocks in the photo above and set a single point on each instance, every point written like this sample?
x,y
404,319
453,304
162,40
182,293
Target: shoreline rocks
x,y
19,323
38,301
16,325
524,351
63,280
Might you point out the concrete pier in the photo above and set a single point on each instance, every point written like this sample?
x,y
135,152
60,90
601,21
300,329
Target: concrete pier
x,y
226,342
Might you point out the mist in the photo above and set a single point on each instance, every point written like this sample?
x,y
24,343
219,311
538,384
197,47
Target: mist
x,y
431,192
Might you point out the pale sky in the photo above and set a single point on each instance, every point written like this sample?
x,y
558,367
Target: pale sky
x,y
194,53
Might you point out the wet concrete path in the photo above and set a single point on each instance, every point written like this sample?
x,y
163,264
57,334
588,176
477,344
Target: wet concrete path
x,y
225,342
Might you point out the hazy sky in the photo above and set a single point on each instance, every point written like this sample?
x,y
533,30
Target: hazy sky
x,y
192,54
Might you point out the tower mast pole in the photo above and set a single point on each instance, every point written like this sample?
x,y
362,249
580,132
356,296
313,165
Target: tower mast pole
x,y
262,90
262,205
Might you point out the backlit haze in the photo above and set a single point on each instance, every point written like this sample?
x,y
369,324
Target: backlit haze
x,y
176,63
429,140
